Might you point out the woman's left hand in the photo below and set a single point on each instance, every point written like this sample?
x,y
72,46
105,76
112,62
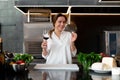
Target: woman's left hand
x,y
74,37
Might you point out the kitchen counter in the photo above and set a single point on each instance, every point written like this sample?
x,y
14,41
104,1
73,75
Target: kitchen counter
x,y
38,74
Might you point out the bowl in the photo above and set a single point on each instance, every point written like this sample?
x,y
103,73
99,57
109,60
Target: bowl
x,y
19,67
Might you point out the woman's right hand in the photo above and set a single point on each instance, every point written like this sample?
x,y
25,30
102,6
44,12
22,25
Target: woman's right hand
x,y
44,45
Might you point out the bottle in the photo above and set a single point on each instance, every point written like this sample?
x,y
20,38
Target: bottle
x,y
2,57
0,44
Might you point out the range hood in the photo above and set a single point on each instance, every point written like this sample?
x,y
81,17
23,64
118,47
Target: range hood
x,y
78,6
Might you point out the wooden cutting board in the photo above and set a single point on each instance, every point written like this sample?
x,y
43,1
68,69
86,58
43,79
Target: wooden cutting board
x,y
70,67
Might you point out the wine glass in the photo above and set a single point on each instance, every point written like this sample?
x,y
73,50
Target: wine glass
x,y
71,27
45,34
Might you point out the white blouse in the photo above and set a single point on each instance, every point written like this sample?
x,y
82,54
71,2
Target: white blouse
x,y
59,75
59,51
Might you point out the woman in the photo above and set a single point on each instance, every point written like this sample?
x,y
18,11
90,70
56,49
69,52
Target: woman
x,y
59,48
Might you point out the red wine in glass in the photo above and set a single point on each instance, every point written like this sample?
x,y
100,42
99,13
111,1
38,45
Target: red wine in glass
x,y
45,37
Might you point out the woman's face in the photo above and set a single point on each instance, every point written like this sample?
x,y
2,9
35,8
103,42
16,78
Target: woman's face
x,y
60,24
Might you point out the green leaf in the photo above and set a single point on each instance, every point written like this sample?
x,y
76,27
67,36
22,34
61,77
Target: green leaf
x,y
86,59
23,56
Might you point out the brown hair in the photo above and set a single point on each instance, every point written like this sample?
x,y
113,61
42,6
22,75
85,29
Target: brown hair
x,y
54,21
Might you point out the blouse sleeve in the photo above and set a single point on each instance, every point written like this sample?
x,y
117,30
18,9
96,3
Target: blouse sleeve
x,y
45,57
48,51
74,53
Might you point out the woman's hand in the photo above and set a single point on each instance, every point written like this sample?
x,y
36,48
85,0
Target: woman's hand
x,y
44,44
74,37
44,47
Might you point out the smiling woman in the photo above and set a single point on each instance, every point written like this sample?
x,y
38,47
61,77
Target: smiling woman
x,y
59,48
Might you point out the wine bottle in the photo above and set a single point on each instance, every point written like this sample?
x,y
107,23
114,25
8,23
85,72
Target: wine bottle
x,y
0,45
2,57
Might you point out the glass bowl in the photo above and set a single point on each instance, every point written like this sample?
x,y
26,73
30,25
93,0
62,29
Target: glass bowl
x,y
19,67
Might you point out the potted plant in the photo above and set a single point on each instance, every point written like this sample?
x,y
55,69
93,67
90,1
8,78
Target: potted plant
x,y
86,59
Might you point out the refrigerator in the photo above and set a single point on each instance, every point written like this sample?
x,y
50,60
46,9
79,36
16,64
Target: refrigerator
x,y
112,42
33,36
